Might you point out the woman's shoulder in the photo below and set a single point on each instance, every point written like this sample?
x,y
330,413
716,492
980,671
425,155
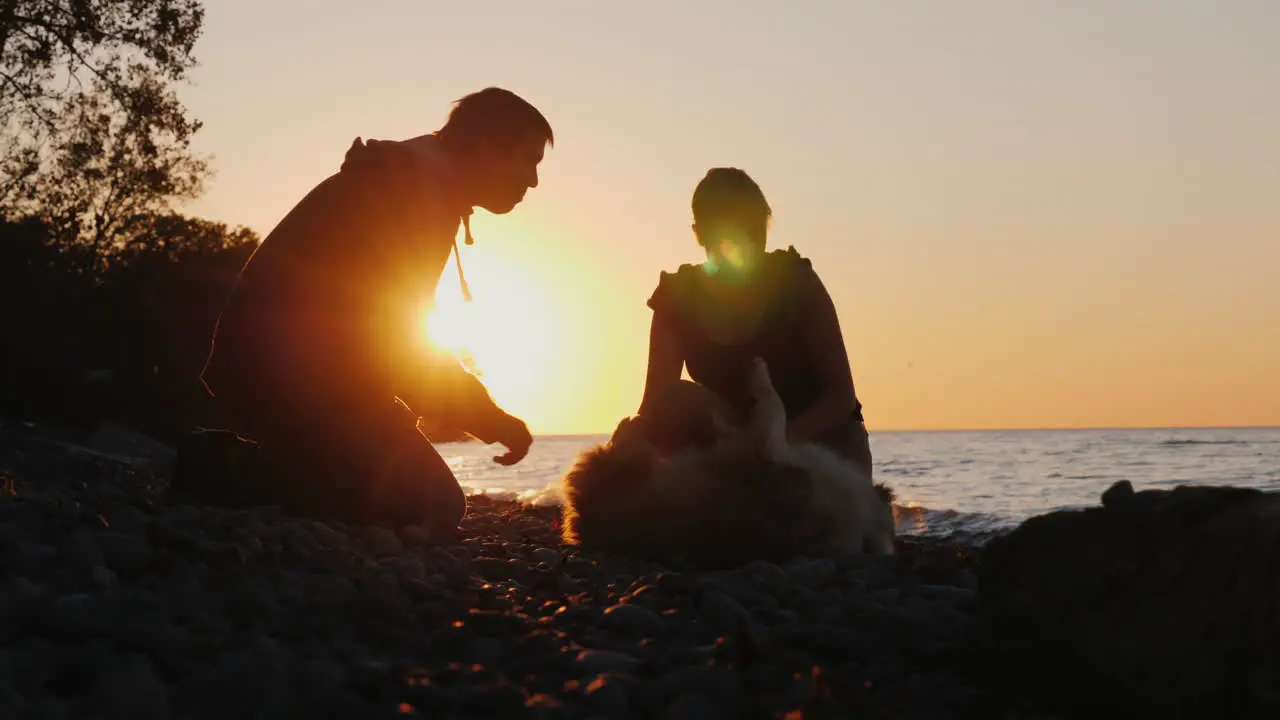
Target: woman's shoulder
x,y
674,287
789,261
788,272
785,272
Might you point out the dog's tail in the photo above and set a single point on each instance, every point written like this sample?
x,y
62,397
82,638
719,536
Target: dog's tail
x,y
886,493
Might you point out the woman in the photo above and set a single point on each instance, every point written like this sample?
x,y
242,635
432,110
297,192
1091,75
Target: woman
x,y
744,302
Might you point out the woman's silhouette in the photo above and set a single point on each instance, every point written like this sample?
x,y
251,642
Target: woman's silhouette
x,y
744,302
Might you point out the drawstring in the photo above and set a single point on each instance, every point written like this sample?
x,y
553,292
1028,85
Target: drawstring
x,y
462,279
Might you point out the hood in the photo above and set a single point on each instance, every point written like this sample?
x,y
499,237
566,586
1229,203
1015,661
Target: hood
x,y
422,165
421,161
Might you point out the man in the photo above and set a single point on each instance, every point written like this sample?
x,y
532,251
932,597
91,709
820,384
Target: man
x,y
318,356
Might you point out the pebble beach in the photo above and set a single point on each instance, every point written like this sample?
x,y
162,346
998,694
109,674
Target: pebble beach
x,y
117,604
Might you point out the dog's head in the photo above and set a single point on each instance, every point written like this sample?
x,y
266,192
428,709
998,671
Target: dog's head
x,y
682,415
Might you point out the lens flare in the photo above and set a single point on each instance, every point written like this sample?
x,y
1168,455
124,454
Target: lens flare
x,y
732,257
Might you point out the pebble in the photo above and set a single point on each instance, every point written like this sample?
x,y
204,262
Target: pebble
x,y
416,535
548,556
382,541
634,620
721,611
124,553
811,571
605,661
130,689
605,696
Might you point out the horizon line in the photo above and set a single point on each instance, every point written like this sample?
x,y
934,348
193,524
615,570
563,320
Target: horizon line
x,y
1082,428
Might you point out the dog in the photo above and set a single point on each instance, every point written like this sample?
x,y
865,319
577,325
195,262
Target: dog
x,y
719,489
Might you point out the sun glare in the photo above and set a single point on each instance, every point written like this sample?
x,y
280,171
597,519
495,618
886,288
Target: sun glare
x,y
506,335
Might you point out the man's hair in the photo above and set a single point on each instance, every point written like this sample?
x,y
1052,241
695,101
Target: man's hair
x,y
495,115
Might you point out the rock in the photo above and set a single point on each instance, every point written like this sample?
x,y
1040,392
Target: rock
x,y
382,541
81,551
416,535
696,706
545,707
495,570
32,558
949,594
719,684
579,615
23,591
130,689
261,613
330,591
765,573
125,553
126,518
606,696
811,571
634,620
595,662
487,650
548,556
581,568
103,578
1162,598
495,700
721,612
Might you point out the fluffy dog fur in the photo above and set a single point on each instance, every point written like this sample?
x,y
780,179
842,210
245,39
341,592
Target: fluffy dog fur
x,y
688,480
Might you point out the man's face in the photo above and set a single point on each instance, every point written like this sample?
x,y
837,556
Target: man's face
x,y
507,173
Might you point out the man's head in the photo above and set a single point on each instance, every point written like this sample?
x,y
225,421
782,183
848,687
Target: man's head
x,y
497,140
731,218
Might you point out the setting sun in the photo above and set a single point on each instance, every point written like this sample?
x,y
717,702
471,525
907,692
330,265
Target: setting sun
x,y
506,335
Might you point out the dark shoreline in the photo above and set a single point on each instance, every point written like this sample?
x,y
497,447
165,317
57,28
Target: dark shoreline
x,y
202,612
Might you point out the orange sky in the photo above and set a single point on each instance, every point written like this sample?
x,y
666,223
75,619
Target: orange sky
x,y
1028,216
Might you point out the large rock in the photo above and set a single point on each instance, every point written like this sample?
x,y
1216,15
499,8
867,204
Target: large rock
x,y
1163,600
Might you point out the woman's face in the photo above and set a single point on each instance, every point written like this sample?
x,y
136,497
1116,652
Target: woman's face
x,y
733,248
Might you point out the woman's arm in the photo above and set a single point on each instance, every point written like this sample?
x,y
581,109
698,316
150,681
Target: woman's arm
x,y
666,359
824,339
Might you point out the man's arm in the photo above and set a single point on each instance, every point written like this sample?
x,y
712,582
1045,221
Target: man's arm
x,y
449,398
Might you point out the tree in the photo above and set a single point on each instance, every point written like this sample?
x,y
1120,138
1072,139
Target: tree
x,y
94,137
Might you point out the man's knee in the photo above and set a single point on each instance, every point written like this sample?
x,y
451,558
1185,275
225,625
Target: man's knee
x,y
415,486
362,463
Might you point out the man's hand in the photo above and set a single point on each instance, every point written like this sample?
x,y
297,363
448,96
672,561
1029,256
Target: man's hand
x,y
514,434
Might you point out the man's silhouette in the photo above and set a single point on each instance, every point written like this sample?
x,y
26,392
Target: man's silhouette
x,y
318,356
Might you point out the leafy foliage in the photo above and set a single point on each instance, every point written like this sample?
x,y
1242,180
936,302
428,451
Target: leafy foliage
x,y
146,317
94,138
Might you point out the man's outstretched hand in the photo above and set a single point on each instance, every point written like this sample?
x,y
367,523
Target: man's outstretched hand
x,y
516,438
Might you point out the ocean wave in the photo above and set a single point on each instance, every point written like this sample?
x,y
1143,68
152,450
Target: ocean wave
x,y
1178,442
966,528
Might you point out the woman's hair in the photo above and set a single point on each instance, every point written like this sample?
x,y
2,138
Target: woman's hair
x,y
728,196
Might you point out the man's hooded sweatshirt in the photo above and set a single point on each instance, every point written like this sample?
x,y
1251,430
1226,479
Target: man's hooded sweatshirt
x,y
326,316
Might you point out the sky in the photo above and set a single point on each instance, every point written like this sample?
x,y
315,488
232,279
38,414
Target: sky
x,y
1029,214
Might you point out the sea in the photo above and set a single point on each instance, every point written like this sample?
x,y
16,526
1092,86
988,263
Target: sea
x,y
967,486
